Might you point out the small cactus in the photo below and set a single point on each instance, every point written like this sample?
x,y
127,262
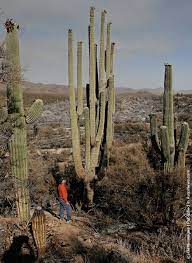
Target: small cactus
x,y
39,231
173,155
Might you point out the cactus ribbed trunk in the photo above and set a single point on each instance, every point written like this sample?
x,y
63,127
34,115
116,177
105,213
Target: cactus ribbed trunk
x,y
173,155
98,95
39,231
168,116
18,141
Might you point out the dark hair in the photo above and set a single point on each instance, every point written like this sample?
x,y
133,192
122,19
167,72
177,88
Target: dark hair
x,y
60,180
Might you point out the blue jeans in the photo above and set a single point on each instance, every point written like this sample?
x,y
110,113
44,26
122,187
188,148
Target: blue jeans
x,y
64,206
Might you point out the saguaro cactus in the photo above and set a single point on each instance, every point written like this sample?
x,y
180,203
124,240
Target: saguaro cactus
x,y
39,232
100,104
16,115
172,154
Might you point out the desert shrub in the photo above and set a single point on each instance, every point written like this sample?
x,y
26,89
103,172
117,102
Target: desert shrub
x,y
131,131
41,183
7,194
132,190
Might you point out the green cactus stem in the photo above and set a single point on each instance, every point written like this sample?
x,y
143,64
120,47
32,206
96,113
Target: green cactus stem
x,y
109,135
16,115
87,140
173,155
111,72
39,231
102,53
98,95
79,79
92,95
108,51
154,132
73,114
182,147
168,115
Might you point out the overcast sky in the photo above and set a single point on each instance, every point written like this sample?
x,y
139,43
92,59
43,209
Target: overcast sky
x,y
147,33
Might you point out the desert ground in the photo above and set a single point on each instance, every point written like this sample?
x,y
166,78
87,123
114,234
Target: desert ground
x,y
138,214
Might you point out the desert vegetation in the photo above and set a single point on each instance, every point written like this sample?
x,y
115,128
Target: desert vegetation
x,y
126,180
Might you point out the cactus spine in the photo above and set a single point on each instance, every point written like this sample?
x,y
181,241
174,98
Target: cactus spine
x,y
172,154
16,115
98,112
39,232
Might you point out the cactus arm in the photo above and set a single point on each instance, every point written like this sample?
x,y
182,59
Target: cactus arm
x,y
87,140
182,148
92,96
101,78
73,114
111,72
96,149
180,163
165,142
102,53
97,91
79,79
109,131
108,51
112,57
102,116
35,111
184,138
96,75
166,149
154,133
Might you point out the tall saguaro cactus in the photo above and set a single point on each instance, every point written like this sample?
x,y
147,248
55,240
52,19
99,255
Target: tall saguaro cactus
x,y
172,154
100,104
16,115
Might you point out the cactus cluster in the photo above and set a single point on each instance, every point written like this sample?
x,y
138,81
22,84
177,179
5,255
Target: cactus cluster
x,y
39,231
16,116
173,154
100,103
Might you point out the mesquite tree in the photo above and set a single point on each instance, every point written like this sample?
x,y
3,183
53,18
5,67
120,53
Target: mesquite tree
x,y
100,101
18,119
173,154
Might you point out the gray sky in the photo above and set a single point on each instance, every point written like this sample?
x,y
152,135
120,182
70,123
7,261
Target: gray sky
x,y
147,33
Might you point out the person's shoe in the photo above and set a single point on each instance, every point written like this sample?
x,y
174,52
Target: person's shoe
x,y
68,221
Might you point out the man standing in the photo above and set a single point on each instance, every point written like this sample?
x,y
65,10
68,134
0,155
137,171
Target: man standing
x,y
63,200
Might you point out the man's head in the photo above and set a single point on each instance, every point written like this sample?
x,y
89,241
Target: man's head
x,y
63,181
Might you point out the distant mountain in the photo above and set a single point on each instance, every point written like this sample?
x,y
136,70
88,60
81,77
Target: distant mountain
x,y
157,91
39,88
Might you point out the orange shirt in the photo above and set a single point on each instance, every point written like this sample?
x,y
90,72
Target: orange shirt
x,y
62,191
